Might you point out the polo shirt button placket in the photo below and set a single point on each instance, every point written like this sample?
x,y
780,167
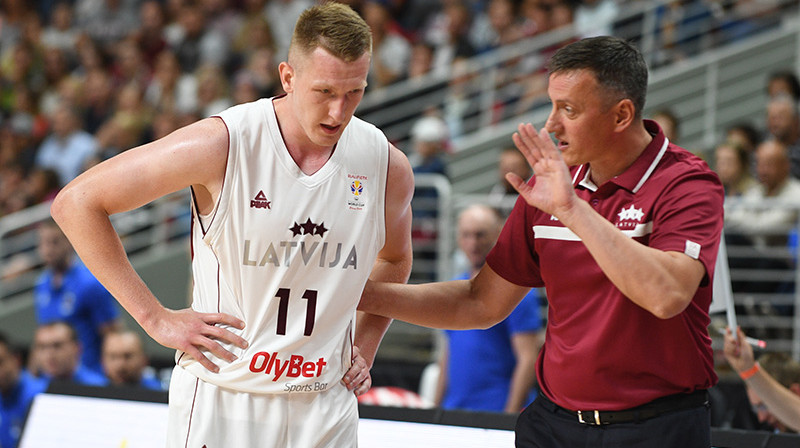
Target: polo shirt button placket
x,y
595,202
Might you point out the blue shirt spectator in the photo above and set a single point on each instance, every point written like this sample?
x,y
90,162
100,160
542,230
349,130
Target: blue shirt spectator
x,y
67,291
125,362
56,356
492,369
17,390
481,362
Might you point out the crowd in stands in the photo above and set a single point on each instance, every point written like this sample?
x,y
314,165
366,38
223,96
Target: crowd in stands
x,y
82,80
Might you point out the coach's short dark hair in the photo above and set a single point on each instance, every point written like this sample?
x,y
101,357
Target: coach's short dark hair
x,y
617,65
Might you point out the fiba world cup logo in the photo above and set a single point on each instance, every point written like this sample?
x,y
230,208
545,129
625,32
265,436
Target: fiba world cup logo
x,y
358,199
356,188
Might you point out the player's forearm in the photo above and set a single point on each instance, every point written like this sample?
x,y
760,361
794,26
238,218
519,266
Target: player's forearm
x,y
449,305
649,277
97,244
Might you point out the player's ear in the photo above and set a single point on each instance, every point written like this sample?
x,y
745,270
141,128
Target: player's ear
x,y
287,75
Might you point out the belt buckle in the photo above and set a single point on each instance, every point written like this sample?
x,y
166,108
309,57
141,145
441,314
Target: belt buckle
x,y
589,422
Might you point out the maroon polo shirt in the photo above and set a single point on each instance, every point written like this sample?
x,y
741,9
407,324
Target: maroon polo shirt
x,y
602,351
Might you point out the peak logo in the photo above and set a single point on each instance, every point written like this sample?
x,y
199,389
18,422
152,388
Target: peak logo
x,y
260,201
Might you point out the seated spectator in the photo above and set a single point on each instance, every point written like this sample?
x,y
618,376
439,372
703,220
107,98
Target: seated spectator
x,y
67,291
57,355
125,363
507,351
779,395
17,391
768,225
783,82
744,135
391,50
732,164
783,124
669,123
68,147
596,17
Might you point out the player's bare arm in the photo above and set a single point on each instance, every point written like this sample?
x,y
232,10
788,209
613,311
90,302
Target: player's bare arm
x,y
393,263
194,155
457,304
661,282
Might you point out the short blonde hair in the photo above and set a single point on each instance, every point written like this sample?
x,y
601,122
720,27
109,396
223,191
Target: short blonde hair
x,y
336,28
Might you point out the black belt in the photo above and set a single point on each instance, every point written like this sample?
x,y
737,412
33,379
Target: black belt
x,y
646,411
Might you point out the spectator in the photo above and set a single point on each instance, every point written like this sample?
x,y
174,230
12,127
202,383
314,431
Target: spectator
x,y
68,147
42,185
732,164
150,36
98,99
746,136
782,402
212,91
282,14
783,124
61,32
67,291
198,45
451,39
768,225
429,139
171,90
17,391
785,371
57,355
498,26
107,21
128,64
508,350
125,363
595,17
391,51
462,103
669,123
783,82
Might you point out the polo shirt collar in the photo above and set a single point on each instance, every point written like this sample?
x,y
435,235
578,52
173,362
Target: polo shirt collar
x,y
637,174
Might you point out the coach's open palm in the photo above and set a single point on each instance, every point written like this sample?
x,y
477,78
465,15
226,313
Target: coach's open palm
x,y
552,192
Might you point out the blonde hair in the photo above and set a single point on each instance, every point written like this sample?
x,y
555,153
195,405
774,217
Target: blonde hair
x,y
336,28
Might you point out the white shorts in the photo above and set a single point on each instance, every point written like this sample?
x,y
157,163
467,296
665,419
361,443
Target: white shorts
x,y
203,415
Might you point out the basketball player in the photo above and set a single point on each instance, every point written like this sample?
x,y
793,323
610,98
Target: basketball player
x,y
295,204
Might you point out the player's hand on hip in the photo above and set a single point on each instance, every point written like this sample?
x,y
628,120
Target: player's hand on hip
x,y
190,331
357,377
552,191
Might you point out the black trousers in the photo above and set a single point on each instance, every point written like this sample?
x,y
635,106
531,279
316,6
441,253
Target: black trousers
x,y
542,425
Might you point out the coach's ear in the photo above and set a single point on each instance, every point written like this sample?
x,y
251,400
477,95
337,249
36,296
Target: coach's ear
x,y
286,74
624,112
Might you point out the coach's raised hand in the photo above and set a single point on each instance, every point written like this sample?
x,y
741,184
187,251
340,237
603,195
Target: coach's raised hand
x,y
552,190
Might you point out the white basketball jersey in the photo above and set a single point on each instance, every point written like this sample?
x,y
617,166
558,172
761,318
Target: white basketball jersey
x,y
288,253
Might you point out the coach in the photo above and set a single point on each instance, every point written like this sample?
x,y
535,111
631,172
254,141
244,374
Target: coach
x,y
622,228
